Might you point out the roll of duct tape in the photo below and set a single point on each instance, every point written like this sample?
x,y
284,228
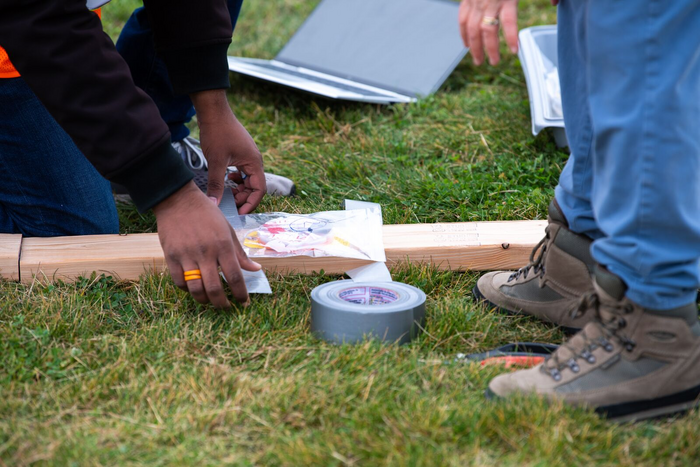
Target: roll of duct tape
x,y
349,311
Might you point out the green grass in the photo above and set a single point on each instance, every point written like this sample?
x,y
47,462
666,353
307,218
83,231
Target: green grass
x,y
104,373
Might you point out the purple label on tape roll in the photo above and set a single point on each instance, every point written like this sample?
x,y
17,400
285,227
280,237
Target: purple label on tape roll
x,y
364,295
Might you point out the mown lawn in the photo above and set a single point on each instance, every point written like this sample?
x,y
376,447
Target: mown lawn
x,y
104,373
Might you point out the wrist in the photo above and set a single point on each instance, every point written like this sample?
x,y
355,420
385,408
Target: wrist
x,y
184,195
211,105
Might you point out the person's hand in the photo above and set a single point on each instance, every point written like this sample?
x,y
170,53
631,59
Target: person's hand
x,y
479,23
195,235
225,142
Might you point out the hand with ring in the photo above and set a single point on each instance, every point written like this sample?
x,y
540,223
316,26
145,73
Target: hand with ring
x,y
479,22
197,242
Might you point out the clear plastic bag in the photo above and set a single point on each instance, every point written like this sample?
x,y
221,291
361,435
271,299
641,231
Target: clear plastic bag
x,y
349,234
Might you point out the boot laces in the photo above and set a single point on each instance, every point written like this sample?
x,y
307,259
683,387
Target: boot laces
x,y
536,264
581,345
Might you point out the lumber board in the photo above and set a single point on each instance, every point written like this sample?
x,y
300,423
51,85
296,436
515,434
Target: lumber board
x,y
455,246
461,246
67,258
10,247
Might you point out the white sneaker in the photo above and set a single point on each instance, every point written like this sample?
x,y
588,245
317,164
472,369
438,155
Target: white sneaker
x,y
191,152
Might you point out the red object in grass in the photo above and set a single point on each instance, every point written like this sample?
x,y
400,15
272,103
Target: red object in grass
x,y
514,361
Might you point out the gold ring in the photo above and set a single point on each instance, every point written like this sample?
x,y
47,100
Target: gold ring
x,y
490,21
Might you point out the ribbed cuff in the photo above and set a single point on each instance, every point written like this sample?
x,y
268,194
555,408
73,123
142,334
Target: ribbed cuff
x,y
198,68
155,177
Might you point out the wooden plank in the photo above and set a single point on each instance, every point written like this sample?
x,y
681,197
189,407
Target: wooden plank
x,y
461,246
67,258
457,246
10,246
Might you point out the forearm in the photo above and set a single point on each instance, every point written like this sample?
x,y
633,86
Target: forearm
x,y
211,106
226,143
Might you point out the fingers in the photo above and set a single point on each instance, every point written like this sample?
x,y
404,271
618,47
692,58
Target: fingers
x,y
231,262
243,260
234,276
256,187
231,258
463,17
177,273
217,175
240,194
236,177
509,22
206,287
213,287
477,34
195,286
489,34
194,235
476,47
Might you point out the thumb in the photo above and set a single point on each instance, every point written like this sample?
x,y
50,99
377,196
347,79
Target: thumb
x,y
248,264
243,261
215,184
509,23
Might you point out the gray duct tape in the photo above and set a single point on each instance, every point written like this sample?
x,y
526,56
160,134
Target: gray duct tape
x,y
349,311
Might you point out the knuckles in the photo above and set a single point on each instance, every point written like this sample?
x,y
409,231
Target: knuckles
x,y
234,277
215,184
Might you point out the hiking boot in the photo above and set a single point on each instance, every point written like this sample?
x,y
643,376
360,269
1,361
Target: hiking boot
x,y
558,275
628,363
191,152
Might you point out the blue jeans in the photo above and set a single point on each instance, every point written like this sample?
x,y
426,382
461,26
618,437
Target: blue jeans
x,y
47,187
630,77
135,44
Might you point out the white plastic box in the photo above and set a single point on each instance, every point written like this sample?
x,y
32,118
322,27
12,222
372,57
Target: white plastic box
x,y
538,56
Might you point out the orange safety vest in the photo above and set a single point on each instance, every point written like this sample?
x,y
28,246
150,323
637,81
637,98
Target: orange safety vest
x,y
9,71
